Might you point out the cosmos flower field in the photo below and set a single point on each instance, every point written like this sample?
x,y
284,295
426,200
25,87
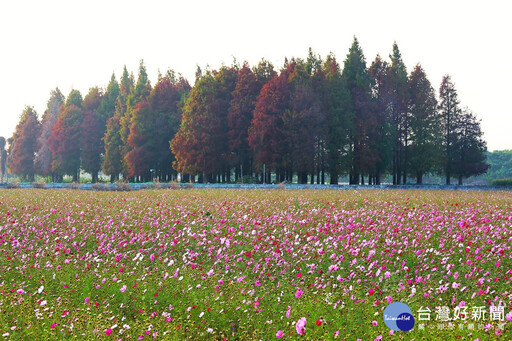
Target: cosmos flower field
x,y
253,264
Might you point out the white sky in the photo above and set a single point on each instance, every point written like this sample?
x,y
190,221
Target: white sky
x,y
78,44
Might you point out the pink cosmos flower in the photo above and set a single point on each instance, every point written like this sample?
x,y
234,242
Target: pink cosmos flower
x,y
508,317
123,288
152,257
299,293
288,311
300,325
374,323
86,300
20,291
279,334
108,331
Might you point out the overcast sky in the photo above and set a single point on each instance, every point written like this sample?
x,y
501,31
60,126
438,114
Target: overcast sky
x,y
78,44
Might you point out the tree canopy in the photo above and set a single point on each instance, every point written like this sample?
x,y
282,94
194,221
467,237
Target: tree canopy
x,y
313,120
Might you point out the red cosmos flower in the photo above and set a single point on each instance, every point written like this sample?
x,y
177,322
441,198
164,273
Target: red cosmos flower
x,y
248,254
371,291
319,322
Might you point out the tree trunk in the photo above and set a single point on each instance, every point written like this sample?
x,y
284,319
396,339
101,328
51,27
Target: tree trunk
x,y
334,177
460,180
419,178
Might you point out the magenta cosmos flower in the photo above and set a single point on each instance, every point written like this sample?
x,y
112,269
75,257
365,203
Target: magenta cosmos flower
x,y
300,326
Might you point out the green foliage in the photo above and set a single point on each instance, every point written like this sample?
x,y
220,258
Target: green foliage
x,y
3,158
470,147
502,182
107,107
424,126
74,98
112,162
500,162
357,79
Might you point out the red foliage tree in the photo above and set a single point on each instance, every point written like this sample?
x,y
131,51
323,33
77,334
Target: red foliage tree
x,y
154,124
24,145
92,131
66,137
266,134
43,160
248,87
201,144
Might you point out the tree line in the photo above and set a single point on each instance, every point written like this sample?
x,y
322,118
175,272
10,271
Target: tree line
x,y
313,120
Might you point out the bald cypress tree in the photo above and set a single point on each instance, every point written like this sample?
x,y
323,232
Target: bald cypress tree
x,y
65,139
423,149
399,98
92,131
3,158
359,108
138,94
113,141
470,147
449,109
43,160
24,145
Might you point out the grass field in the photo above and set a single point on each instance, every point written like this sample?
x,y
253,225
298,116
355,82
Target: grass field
x,y
261,264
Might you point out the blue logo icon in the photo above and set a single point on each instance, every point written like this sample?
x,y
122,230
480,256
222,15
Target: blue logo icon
x,y
398,317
